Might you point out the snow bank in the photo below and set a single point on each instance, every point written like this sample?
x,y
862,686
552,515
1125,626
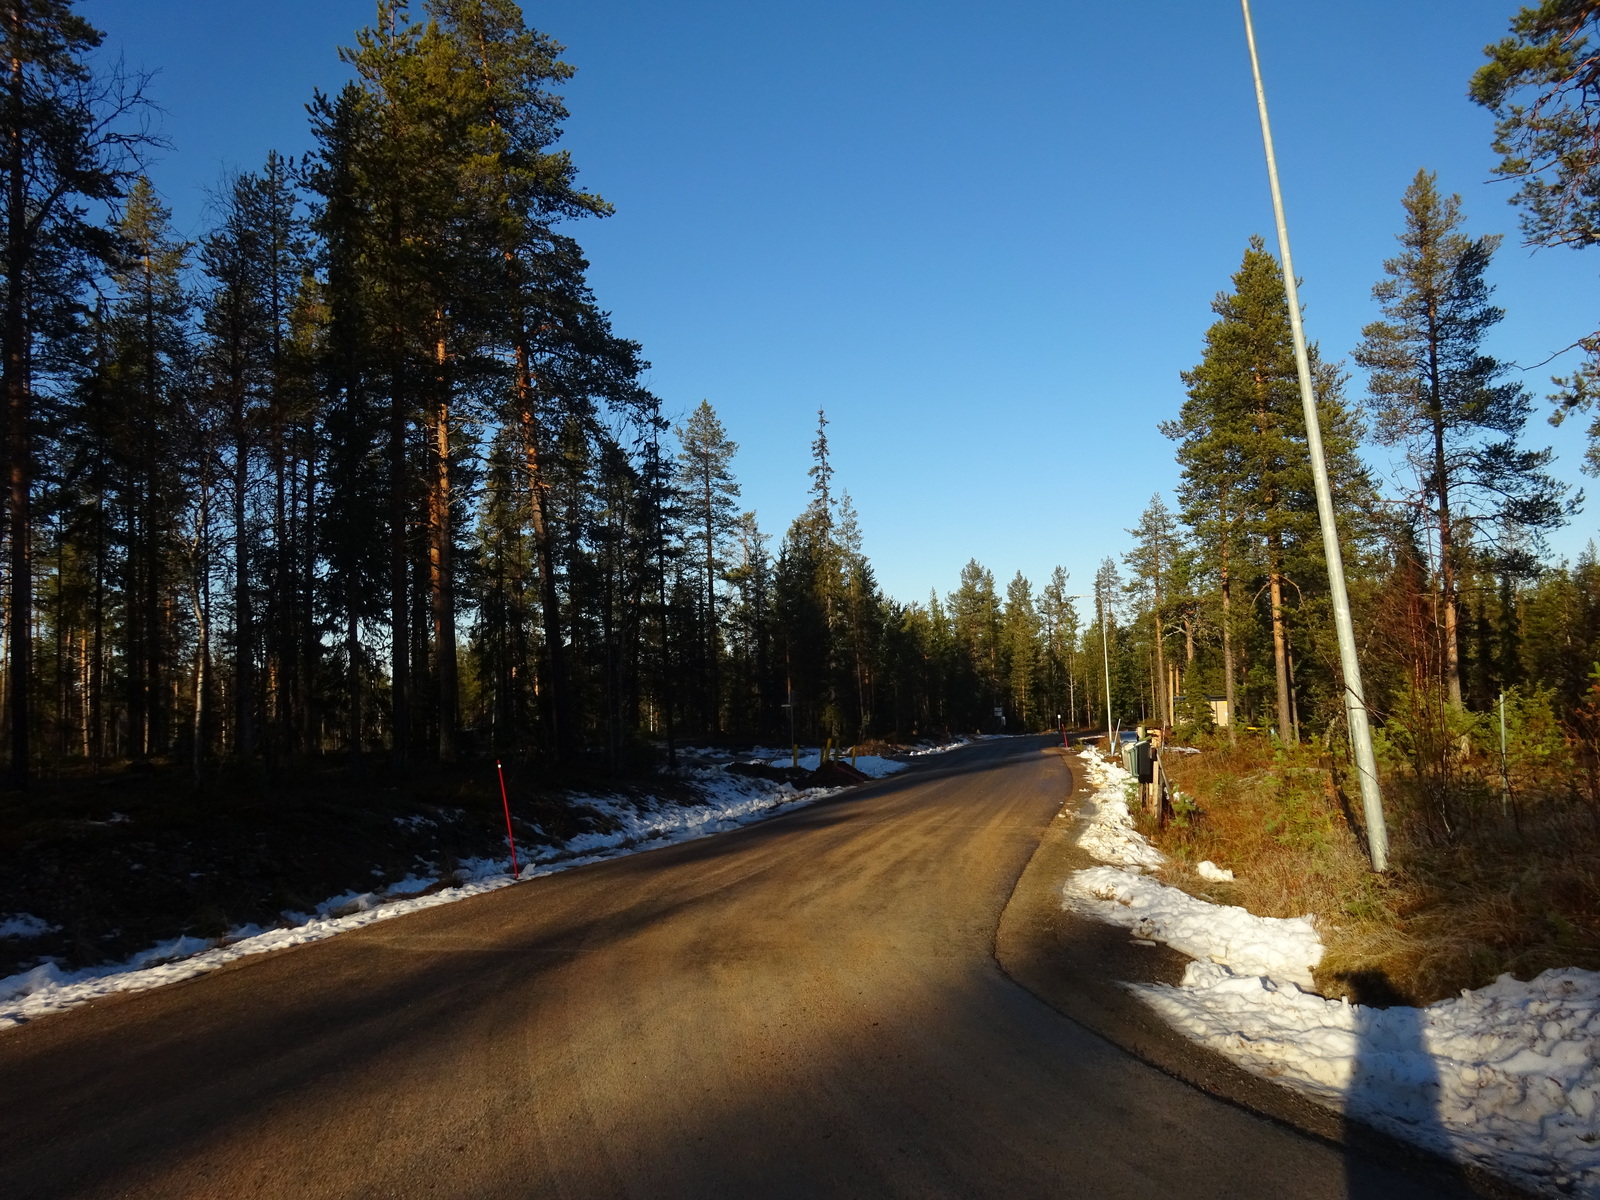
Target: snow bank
x,y
729,802
870,765
939,748
1279,947
1110,835
25,925
1507,1077
1282,948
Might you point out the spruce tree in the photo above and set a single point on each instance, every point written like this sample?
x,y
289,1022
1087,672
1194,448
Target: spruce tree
x,y
862,613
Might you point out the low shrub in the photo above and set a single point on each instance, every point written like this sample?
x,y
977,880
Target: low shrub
x,y
1476,887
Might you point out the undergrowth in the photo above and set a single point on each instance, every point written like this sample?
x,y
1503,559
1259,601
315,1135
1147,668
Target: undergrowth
x,y
1477,886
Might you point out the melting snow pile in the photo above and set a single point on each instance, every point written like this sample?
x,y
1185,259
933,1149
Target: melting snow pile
x,y
939,748
1111,836
870,765
1282,948
1507,1077
729,802
25,925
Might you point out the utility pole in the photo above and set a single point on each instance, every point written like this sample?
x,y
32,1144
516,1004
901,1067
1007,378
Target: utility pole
x,y
1355,704
1102,609
1105,652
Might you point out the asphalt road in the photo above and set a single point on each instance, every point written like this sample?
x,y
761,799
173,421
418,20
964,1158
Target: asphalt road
x,y
807,1007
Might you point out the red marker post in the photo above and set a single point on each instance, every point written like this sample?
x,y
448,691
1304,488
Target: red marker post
x,y
507,803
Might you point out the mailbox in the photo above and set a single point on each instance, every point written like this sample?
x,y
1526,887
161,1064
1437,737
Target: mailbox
x,y
1144,762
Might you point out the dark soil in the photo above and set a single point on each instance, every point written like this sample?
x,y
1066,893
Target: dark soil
x,y
122,859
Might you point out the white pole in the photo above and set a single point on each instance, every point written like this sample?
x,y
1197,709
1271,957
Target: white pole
x,y
1354,700
1105,651
1505,778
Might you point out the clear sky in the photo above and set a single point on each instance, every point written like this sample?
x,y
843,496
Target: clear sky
x,y
983,236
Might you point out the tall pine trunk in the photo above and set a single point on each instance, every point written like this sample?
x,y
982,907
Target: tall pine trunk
x,y
713,684
1228,685
1280,641
244,687
1441,486
441,586
1165,709
399,608
558,706
19,483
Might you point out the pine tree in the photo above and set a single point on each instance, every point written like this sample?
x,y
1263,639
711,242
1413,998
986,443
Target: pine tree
x,y
1246,488
1436,394
974,609
68,143
1107,588
709,505
1020,632
1543,86
152,377
1058,614
1156,545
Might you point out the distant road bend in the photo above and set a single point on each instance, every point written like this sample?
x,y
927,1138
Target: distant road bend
x,y
807,1007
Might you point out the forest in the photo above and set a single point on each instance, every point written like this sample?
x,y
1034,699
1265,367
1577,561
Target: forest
x,y
364,473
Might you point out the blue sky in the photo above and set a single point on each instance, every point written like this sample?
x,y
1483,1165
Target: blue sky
x,y
983,236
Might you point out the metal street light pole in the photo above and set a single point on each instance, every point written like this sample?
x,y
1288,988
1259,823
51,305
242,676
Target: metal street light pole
x,y
1354,700
1105,650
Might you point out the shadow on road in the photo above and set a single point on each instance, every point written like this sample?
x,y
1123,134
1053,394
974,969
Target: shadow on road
x,y
806,1007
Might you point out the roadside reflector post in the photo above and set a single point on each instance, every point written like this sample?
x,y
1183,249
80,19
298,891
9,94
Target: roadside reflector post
x,y
511,839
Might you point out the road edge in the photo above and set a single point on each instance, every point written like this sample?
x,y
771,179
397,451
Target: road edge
x,y
1077,966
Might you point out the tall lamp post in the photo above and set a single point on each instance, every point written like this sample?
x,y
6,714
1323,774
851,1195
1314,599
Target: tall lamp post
x,y
1355,703
1105,651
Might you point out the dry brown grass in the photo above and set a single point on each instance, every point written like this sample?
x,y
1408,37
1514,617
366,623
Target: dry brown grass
x,y
1459,907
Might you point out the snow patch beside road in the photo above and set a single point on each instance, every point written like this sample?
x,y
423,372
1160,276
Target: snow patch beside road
x,y
728,802
1507,1077
870,765
25,925
1110,836
1280,948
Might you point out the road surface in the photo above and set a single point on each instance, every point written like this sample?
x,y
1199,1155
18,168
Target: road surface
x,y
806,1007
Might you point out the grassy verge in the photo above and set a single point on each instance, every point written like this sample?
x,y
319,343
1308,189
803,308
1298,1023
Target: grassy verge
x,y
1476,889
